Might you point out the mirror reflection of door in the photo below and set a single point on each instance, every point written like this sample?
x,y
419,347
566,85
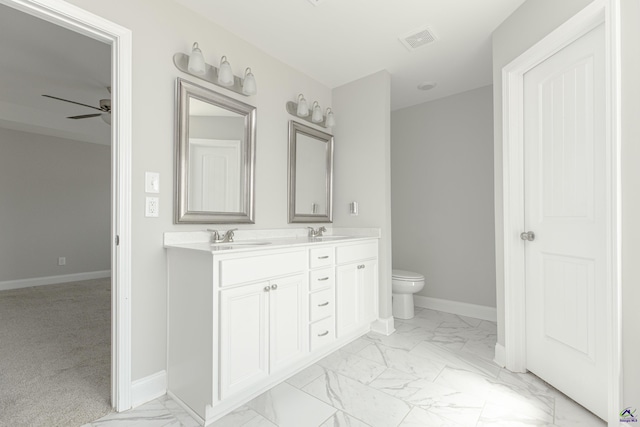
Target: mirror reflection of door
x,y
311,175
216,169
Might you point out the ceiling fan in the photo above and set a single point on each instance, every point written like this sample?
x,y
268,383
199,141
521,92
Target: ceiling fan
x,y
105,108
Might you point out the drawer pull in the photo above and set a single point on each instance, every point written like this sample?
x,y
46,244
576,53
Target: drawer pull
x,y
266,289
323,279
360,266
324,304
323,257
274,287
323,334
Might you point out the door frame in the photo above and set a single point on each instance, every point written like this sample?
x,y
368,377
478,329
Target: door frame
x,y
598,12
119,38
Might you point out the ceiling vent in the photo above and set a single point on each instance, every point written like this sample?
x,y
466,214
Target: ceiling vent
x,y
417,38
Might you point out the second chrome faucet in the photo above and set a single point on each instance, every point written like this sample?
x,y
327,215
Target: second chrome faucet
x,y
226,237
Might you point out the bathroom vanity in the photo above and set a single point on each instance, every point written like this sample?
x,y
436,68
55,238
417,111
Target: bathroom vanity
x,y
244,316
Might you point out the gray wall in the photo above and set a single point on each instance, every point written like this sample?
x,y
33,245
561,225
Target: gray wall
x,y
442,196
54,202
362,167
161,29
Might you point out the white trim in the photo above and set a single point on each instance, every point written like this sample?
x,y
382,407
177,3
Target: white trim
x,y
462,308
53,280
499,357
383,326
148,388
76,19
594,14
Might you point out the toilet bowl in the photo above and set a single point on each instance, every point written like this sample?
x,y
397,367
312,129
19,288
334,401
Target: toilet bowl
x,y
403,285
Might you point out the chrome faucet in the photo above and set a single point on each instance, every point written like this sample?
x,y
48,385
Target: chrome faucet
x,y
226,237
316,233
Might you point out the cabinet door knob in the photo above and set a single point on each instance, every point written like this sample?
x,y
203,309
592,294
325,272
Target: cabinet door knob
x,y
323,279
274,287
360,266
324,304
266,289
323,334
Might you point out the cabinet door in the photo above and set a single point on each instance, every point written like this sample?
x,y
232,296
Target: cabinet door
x,y
368,276
288,320
348,298
244,319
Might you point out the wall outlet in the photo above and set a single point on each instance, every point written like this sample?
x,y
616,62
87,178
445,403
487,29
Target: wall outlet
x,y
152,207
62,261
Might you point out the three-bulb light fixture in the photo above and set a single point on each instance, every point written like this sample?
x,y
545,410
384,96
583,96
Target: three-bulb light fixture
x,y
301,109
195,65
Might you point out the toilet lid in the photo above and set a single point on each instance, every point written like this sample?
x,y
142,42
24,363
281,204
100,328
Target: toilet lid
x,y
406,275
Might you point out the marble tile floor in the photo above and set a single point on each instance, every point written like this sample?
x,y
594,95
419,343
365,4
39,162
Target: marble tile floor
x,y
437,369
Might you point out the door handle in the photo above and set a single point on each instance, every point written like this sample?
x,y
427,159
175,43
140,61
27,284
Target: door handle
x,y
324,304
274,287
266,289
528,235
325,333
323,279
361,266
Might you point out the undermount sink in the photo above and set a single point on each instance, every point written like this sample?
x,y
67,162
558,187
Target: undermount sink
x,y
228,244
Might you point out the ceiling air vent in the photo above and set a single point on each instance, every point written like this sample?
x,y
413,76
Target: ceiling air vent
x,y
417,38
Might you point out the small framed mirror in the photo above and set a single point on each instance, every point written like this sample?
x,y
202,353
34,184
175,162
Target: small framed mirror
x,y
215,157
310,174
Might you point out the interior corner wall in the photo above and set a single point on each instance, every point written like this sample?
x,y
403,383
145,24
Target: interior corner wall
x,y
56,202
442,196
362,165
159,30
530,23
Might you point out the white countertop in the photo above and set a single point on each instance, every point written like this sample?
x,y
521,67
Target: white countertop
x,y
200,240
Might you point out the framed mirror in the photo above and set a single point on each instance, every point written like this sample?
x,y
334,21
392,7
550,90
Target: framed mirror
x,y
215,157
310,174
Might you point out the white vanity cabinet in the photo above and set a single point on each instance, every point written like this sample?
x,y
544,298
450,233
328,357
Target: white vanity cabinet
x,y
356,286
262,329
241,321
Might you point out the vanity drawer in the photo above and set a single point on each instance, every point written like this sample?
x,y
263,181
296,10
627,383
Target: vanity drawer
x,y
319,279
322,333
259,267
321,304
321,257
351,253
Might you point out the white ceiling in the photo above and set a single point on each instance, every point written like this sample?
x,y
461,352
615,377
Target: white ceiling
x,y
340,41
41,58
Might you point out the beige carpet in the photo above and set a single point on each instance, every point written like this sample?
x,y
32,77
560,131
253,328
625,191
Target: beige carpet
x,y
55,355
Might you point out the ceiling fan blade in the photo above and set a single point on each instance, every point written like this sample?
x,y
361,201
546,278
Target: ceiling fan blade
x,y
86,116
72,102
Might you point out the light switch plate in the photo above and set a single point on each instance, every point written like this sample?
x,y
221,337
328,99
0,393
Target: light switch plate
x,y
152,207
151,182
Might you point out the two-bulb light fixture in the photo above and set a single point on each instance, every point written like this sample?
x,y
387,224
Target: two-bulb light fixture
x,y
195,65
301,109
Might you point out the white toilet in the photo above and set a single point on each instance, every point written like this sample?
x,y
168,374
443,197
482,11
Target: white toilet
x,y
403,285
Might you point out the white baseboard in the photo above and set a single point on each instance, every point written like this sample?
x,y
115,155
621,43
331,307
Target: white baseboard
x,y
53,280
500,357
462,308
148,388
383,326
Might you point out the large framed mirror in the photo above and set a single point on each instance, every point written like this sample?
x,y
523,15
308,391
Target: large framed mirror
x,y
310,174
215,157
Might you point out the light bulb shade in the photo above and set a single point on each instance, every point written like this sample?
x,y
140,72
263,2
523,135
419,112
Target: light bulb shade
x,y
316,115
331,121
303,107
249,86
225,75
106,117
196,61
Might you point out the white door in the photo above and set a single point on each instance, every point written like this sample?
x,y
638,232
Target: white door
x,y
287,321
565,196
348,297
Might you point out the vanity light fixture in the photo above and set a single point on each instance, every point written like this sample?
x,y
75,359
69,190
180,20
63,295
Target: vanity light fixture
x,y
195,65
196,61
316,115
249,86
301,110
330,121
